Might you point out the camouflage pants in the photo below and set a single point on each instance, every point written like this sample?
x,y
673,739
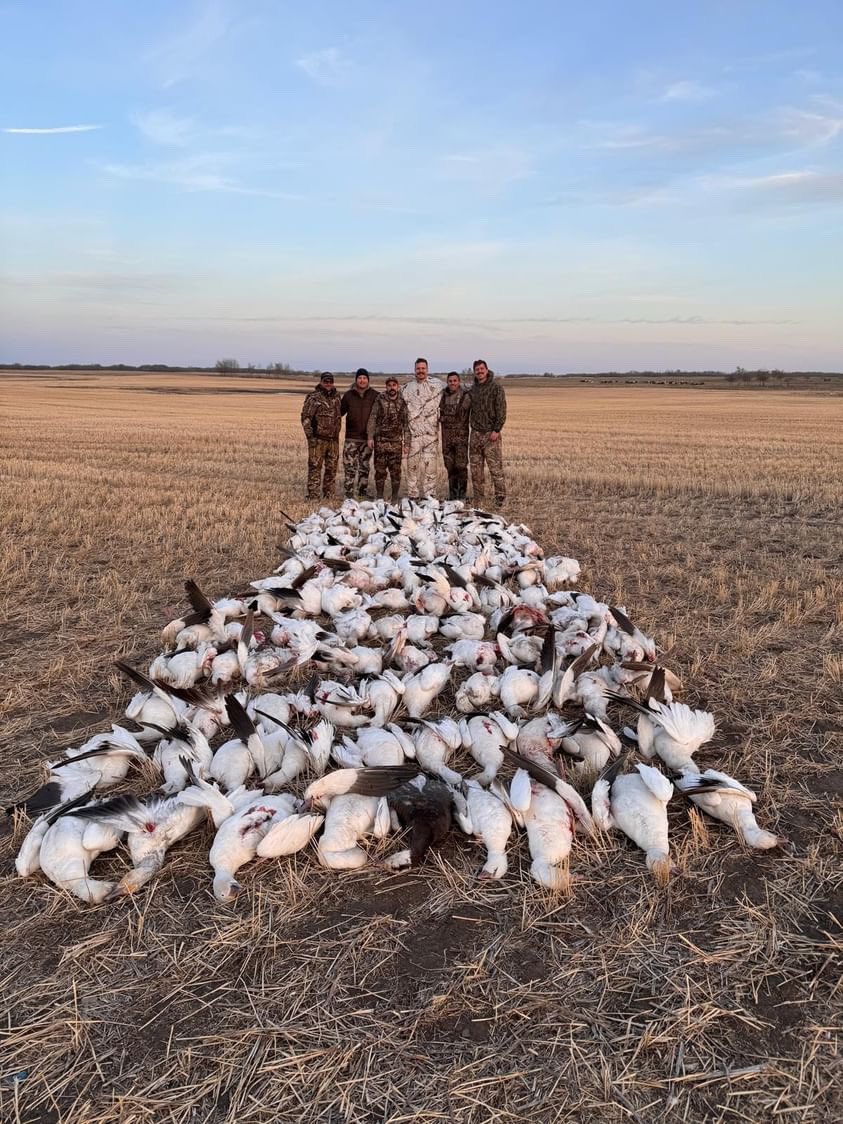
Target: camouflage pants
x,y
421,466
356,458
455,456
322,455
483,451
387,460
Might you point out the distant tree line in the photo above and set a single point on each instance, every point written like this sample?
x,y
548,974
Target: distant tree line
x,y
227,365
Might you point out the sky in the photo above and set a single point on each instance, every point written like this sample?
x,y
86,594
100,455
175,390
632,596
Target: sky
x,y
554,186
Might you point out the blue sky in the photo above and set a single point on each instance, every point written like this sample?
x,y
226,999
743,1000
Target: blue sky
x,y
555,186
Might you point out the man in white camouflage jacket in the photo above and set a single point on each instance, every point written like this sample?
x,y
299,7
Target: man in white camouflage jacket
x,y
422,398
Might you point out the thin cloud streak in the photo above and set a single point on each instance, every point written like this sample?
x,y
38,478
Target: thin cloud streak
x,y
459,322
54,130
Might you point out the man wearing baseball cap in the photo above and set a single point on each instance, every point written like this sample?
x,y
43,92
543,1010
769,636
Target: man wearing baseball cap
x,y
389,436
320,419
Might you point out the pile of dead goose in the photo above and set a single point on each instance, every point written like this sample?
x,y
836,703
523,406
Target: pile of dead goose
x,y
350,694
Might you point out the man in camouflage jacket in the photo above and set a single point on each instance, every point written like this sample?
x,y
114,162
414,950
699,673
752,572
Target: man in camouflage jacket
x,y
454,408
389,436
422,398
487,417
320,419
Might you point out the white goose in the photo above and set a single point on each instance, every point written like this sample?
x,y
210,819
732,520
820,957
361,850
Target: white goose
x,y
348,819
486,737
184,669
239,837
151,826
435,742
68,848
594,742
205,623
673,731
723,798
550,830
422,688
475,655
636,804
482,814
477,692
384,695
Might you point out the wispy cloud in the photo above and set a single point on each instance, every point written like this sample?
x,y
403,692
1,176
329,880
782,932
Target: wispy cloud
x,y
688,90
470,322
327,67
807,75
196,173
162,127
53,130
494,165
181,56
799,187
785,128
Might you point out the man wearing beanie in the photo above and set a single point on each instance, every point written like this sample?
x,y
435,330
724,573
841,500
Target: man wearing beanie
x,y
356,406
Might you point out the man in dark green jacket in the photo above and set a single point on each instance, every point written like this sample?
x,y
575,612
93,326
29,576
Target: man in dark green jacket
x,y
487,417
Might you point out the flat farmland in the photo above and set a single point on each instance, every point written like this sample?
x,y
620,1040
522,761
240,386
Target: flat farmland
x,y
712,515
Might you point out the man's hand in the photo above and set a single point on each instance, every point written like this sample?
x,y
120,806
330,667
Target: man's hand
x,y
371,443
494,435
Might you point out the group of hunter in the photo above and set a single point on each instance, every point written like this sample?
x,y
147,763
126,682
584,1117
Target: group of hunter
x,y
388,426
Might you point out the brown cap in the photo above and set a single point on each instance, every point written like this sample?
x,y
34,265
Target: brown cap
x,y
392,379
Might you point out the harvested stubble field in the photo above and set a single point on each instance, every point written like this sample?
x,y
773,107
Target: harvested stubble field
x,y
713,515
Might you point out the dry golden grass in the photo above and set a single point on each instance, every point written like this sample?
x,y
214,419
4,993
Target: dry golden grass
x,y
714,516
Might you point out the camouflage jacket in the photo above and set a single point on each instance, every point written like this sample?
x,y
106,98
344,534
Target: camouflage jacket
x,y
388,421
422,400
453,412
320,415
488,406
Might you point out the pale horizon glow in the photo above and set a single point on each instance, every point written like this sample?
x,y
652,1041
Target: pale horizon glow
x,y
554,186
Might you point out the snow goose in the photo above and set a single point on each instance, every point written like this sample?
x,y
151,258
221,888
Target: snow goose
x,y
595,742
348,819
482,814
624,640
435,742
375,781
548,777
152,826
550,830
205,623
486,736
184,743
28,859
183,669
723,798
477,692
559,571
97,764
636,804
422,688
475,655
244,754
374,746
342,704
238,838
672,731
68,848
384,694
463,626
